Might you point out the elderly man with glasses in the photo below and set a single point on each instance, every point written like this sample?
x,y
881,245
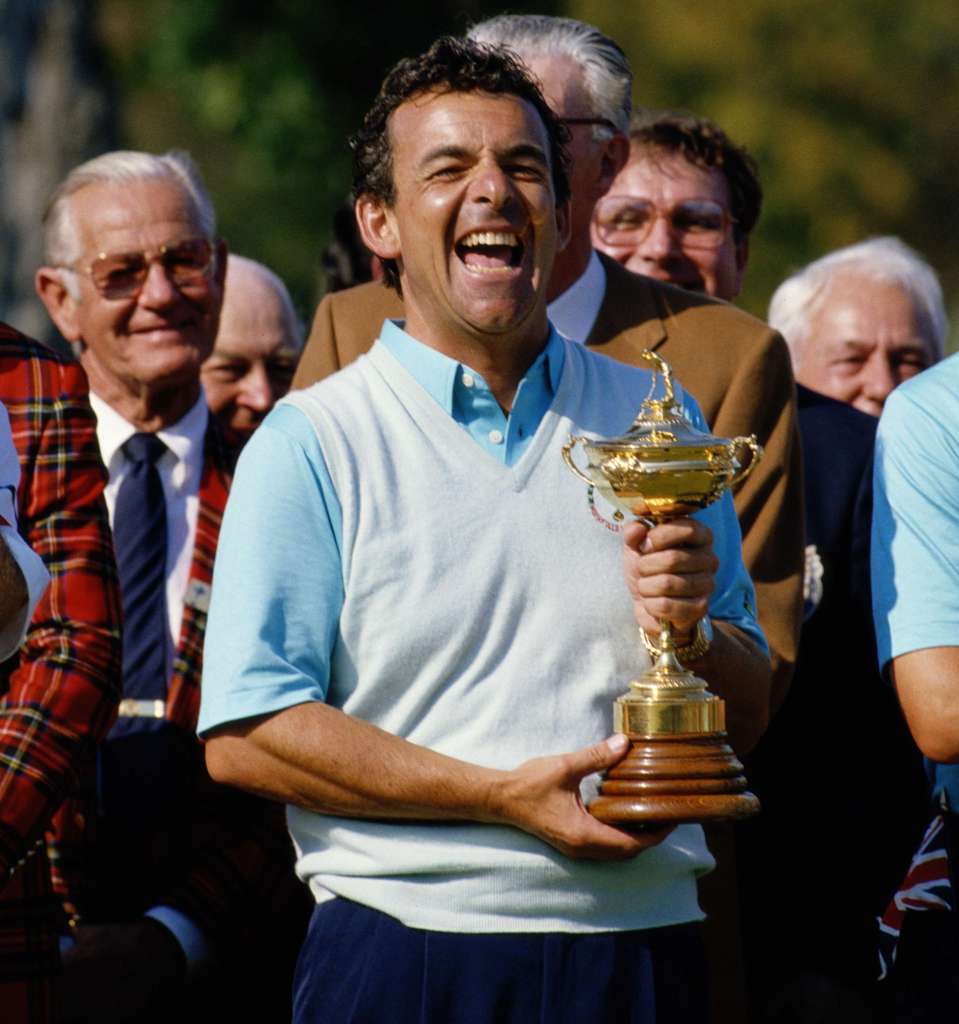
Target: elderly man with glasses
x,y
158,866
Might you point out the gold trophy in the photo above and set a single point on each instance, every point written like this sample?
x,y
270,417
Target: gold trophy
x,y
679,767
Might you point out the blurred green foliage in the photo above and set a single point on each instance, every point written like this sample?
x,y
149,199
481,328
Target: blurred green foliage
x,y
848,108
264,98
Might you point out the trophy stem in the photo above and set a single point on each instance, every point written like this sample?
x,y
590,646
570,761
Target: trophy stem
x,y
667,665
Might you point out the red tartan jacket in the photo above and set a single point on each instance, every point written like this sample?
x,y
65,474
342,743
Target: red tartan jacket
x,y
233,857
58,696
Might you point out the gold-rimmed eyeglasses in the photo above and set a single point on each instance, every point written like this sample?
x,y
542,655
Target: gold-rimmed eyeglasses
x,y
121,275
696,223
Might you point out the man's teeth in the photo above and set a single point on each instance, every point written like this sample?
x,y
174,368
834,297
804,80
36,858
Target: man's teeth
x,y
490,238
476,269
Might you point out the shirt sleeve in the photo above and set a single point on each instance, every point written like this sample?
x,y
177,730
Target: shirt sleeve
x,y
34,572
915,531
734,599
189,937
278,580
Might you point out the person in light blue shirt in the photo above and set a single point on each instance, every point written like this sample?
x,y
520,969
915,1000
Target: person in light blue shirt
x,y
413,609
915,580
915,561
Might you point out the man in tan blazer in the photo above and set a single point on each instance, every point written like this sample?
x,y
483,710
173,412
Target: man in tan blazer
x,y
734,365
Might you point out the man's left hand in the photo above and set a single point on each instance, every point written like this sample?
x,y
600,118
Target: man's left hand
x,y
670,571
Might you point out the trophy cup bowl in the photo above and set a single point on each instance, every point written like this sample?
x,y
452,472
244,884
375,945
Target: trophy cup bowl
x,y
679,767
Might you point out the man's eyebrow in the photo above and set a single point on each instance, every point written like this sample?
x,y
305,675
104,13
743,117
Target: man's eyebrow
x,y
528,149
444,153
225,353
852,344
523,149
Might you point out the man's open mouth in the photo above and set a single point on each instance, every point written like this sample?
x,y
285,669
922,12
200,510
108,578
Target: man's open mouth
x,y
490,252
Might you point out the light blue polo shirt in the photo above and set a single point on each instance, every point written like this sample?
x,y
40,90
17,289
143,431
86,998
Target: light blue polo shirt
x,y
915,526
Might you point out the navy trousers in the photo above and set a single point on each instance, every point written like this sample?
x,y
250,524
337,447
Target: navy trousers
x,y
358,966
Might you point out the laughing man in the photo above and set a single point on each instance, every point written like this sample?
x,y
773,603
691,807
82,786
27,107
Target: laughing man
x,y
414,610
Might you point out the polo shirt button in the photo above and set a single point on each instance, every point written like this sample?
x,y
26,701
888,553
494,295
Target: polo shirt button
x,y
468,380
496,436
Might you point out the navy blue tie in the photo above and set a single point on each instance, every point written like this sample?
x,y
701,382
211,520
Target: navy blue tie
x,y
141,761
139,536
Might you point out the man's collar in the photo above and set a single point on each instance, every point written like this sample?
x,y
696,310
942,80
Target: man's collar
x,y
574,312
184,438
438,374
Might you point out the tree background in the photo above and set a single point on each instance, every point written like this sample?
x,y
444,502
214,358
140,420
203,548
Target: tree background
x,y
264,98
848,108
56,110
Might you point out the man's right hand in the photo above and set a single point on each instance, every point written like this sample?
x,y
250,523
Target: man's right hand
x,y
542,797
317,757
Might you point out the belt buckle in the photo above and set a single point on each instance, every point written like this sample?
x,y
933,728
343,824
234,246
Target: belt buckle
x,y
132,707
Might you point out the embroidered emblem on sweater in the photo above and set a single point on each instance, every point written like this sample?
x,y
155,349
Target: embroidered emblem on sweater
x,y
600,508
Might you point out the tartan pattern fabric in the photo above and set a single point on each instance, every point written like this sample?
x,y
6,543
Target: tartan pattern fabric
x,y
58,696
29,954
927,886
232,854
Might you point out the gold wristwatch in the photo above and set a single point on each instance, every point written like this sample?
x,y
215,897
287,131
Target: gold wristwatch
x,y
693,651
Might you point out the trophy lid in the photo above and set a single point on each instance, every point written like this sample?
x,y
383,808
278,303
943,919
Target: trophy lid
x,y
662,467
661,422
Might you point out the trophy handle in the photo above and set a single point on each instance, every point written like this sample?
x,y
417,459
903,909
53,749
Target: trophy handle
x,y
568,457
756,450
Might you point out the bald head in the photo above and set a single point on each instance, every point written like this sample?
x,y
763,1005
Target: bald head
x,y
257,348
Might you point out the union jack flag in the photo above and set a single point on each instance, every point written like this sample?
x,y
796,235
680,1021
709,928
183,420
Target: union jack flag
x,y
927,886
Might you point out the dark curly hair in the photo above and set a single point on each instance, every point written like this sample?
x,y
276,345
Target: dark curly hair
x,y
449,65
703,143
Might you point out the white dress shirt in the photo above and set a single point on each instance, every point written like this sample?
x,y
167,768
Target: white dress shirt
x,y
35,573
180,469
574,312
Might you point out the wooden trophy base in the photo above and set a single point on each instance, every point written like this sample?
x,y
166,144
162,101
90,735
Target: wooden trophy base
x,y
672,780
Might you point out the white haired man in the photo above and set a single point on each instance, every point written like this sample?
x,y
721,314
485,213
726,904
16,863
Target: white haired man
x,y
256,351
158,863
735,367
862,320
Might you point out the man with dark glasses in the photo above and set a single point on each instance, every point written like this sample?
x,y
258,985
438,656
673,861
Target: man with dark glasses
x,y
157,863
